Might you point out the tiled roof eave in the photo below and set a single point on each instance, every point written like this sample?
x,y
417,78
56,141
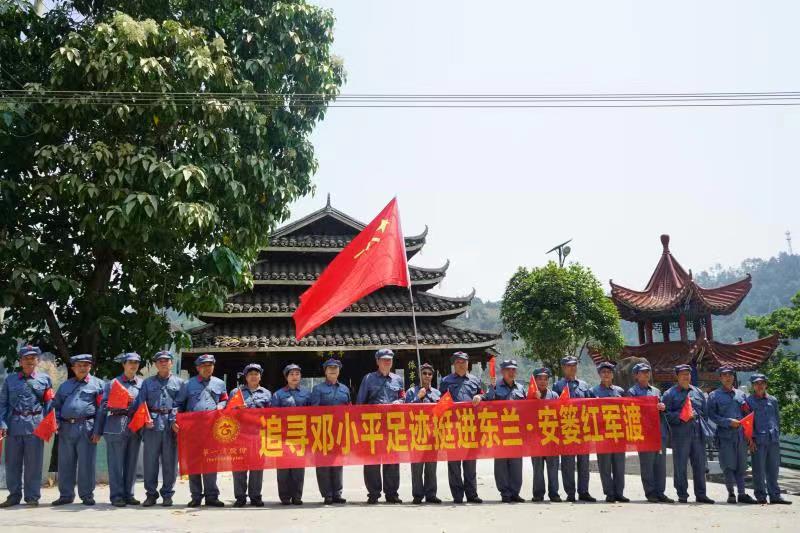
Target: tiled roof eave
x,y
353,348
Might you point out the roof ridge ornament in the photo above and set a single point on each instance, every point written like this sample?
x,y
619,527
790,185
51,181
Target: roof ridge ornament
x,y
328,203
665,242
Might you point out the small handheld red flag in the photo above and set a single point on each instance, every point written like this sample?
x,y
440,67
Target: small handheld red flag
x,y
445,403
48,395
532,388
140,418
118,397
686,411
47,427
237,400
492,370
564,393
747,425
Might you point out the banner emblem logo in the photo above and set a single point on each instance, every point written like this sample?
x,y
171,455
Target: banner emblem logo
x,y
225,429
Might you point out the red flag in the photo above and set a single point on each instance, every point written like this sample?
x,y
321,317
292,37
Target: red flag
x,y
492,371
686,411
118,397
140,418
445,403
237,400
48,395
532,388
376,257
47,427
747,425
564,393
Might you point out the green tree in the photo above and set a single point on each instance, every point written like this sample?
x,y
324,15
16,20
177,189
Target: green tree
x,y
116,207
560,311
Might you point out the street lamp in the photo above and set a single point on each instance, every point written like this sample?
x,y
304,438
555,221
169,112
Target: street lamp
x,y
563,251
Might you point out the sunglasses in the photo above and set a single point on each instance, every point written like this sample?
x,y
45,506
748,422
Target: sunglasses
x,y
427,373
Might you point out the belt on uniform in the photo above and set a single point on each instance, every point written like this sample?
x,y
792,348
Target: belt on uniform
x,y
75,420
27,413
119,412
161,411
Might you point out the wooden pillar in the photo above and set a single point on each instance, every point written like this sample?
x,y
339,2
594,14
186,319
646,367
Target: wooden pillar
x,y
641,331
697,327
648,332
665,330
682,327
709,329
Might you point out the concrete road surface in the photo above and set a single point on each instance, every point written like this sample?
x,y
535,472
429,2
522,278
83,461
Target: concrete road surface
x,y
357,517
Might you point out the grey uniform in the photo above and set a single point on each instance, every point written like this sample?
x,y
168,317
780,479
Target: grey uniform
x,y
577,389
291,480
423,475
462,389
507,472
250,483
653,465
611,465
552,463
329,478
688,439
766,435
723,407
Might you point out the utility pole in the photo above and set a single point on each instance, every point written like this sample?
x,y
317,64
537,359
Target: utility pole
x,y
789,241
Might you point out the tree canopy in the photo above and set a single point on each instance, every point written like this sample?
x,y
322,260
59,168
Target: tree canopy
x,y
560,311
141,168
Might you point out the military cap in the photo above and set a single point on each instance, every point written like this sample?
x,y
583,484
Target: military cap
x,y
129,356
726,370
251,367
288,368
426,366
163,354
205,358
681,368
569,360
459,355
542,371
29,349
508,363
641,367
81,358
606,364
384,353
332,362
758,377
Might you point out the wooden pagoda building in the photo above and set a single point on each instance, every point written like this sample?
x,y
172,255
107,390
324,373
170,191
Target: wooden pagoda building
x,y
669,307
257,326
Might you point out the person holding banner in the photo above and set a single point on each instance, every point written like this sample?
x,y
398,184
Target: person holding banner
x,y
610,465
423,475
203,393
726,406
507,472
382,387
77,405
253,396
463,387
652,465
577,388
543,392
291,480
330,392
685,407
122,445
25,399
160,394
765,445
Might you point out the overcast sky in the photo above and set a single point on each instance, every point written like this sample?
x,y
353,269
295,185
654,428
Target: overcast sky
x,y
498,187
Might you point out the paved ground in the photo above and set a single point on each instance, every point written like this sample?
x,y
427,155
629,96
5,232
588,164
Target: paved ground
x,y
490,516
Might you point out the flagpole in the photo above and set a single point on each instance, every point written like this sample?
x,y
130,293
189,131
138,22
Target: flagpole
x,y
411,299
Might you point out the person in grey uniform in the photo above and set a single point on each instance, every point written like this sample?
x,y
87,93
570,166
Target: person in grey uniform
x,y
160,393
726,406
255,396
76,404
291,480
382,387
423,475
122,445
542,377
508,472
204,392
577,389
610,465
25,399
463,387
652,465
330,392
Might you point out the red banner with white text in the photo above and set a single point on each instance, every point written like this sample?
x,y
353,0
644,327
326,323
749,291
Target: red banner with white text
x,y
293,437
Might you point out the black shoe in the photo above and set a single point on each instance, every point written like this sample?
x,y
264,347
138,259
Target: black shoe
x,y
653,499
239,503
683,500
731,498
150,501
571,498
416,501
88,502
665,499
297,501
516,498
555,498
538,499
393,499
327,501
214,502
132,501
762,501
433,499
32,503
474,499
622,499
166,501
610,499
10,502
505,499
372,500
194,502
586,497
286,502
258,502
116,503
779,501
704,499
746,498
61,501
338,500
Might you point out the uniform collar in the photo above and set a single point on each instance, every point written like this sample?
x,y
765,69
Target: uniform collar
x,y
22,375
334,384
123,379
200,378
85,380
609,387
